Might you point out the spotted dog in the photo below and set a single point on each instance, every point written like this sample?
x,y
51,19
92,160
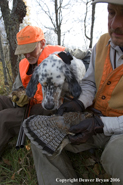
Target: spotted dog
x,y
57,79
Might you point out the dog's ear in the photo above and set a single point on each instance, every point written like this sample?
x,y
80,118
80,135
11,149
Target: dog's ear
x,y
32,85
74,87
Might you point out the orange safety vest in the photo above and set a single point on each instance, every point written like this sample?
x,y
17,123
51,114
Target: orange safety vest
x,y
24,66
109,82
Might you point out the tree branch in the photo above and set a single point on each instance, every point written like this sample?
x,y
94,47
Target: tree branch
x,y
85,21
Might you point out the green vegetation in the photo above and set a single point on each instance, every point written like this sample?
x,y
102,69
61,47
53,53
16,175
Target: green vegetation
x,y
2,86
88,167
5,89
17,167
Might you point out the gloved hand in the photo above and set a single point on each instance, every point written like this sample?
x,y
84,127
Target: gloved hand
x,y
85,129
72,106
20,98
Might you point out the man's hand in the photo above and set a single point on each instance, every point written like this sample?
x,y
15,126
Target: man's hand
x,y
72,106
20,98
85,129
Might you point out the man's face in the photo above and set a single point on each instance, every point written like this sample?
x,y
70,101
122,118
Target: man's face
x,y
115,23
33,56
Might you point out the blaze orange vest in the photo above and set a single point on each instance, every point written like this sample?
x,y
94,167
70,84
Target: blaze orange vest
x,y
109,82
24,66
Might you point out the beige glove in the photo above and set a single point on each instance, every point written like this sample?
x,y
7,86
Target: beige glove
x,y
20,98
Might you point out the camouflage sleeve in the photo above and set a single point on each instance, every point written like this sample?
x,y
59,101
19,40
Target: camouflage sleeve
x,y
77,53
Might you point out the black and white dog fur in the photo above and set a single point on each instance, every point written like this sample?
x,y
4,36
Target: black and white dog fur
x,y
57,79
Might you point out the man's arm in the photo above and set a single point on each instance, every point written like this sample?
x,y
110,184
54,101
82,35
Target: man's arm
x,y
17,84
19,96
88,83
112,125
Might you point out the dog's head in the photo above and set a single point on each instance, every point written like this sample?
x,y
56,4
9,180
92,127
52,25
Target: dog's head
x,y
52,74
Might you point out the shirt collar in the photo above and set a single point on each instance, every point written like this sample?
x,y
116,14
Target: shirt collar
x,y
115,47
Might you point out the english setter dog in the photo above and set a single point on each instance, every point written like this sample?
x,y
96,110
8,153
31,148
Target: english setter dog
x,y
57,79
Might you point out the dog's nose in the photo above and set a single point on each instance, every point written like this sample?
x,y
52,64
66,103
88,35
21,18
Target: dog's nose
x,y
49,106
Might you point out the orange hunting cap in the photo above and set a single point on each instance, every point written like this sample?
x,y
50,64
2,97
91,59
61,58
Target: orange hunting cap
x,y
27,39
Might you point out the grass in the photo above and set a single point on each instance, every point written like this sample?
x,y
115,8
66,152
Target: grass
x,y
17,167
87,166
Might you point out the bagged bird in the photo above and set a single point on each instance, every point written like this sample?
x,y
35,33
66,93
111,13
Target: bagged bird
x,y
49,133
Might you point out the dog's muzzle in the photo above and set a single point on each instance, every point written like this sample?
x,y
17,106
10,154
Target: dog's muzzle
x,y
49,106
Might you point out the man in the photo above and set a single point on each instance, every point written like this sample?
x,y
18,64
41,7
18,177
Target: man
x,y
31,43
102,89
